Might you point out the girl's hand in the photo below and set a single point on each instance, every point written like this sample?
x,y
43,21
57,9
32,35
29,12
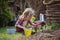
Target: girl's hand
x,y
34,24
24,28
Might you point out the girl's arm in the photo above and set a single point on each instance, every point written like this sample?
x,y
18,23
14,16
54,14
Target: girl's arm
x,y
31,22
18,25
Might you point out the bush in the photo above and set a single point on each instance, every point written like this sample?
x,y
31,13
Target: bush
x,y
6,15
55,25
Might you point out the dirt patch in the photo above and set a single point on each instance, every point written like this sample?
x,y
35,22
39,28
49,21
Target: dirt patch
x,y
45,35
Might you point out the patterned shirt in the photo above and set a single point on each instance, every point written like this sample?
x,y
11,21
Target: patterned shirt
x,y
20,21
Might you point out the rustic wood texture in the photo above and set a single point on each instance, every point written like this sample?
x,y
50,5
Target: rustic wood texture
x,y
53,11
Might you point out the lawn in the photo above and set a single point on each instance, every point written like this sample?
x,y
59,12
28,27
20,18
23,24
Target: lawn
x,y
5,36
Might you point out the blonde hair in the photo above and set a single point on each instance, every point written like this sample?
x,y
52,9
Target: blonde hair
x,y
28,11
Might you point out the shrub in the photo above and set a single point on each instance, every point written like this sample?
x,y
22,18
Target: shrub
x,y
6,15
55,25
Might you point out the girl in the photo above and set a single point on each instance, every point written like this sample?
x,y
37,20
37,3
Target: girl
x,y
24,19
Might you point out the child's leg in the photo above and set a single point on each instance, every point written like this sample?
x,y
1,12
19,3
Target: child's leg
x,y
17,29
21,31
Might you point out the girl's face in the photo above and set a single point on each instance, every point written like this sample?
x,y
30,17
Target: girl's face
x,y
29,18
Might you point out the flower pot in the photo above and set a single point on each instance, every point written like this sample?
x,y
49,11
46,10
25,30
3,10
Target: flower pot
x,y
27,32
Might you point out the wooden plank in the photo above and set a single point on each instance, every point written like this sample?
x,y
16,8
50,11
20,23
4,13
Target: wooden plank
x,y
55,8
53,5
56,0
47,2
52,15
55,21
52,10
55,13
54,18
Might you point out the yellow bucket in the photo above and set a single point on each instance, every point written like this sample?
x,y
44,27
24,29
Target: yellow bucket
x,y
27,32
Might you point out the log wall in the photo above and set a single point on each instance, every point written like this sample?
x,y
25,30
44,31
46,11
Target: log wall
x,y
53,11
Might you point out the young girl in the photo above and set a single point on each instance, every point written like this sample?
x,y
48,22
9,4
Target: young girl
x,y
24,19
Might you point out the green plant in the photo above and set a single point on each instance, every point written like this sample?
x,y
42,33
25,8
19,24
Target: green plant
x,y
6,15
55,25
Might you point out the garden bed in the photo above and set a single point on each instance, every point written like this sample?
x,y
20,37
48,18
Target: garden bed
x,y
45,35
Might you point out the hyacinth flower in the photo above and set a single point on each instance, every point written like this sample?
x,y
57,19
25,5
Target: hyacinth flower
x,y
35,26
32,26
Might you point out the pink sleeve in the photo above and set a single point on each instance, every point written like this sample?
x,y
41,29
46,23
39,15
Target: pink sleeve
x,y
19,21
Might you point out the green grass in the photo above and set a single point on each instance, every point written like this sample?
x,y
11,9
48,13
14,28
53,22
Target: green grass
x,y
5,36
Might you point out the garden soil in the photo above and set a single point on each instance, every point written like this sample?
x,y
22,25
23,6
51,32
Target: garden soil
x,y
42,35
